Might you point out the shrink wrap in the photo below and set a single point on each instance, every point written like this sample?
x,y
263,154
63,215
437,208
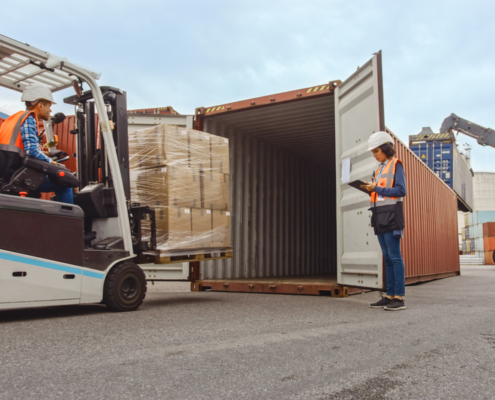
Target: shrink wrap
x,y
181,174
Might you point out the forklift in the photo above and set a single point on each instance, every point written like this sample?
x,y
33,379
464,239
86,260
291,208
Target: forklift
x,y
53,253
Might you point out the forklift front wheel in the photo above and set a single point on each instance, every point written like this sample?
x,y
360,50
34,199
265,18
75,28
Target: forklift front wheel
x,y
125,287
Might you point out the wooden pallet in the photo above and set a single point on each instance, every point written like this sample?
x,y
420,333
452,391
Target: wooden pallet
x,y
159,257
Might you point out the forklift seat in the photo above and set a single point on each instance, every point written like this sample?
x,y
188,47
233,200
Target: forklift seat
x,y
3,162
27,174
10,162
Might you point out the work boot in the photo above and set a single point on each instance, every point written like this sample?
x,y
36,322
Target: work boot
x,y
395,305
381,303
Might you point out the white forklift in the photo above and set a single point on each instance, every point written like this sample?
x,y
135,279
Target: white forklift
x,y
53,253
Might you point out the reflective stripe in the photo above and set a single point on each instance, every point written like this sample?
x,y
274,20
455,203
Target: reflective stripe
x,y
385,179
17,128
45,264
13,149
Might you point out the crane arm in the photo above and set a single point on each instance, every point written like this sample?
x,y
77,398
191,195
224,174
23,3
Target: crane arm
x,y
484,136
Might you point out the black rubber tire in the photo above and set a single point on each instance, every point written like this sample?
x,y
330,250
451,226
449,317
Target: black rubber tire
x,y
125,287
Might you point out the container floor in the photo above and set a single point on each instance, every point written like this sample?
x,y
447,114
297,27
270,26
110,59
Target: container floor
x,y
318,285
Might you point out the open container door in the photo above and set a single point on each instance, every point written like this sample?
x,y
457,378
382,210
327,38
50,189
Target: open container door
x,y
358,114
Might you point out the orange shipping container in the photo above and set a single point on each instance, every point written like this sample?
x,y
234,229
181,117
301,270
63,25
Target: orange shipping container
x,y
489,229
489,243
489,258
286,158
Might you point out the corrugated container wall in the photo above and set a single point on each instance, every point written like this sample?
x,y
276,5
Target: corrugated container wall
x,y
283,205
462,177
67,141
430,245
283,180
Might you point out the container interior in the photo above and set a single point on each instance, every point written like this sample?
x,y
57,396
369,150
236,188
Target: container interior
x,y
283,191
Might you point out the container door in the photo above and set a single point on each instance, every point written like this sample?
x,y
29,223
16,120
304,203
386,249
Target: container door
x,y
358,114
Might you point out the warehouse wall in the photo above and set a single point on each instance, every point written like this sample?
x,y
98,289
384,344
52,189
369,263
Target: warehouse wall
x,y
484,191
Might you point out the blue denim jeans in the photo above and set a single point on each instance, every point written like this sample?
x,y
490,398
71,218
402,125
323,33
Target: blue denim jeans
x,y
394,266
64,195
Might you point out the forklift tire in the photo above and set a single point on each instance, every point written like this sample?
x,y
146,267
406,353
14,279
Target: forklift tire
x,y
125,287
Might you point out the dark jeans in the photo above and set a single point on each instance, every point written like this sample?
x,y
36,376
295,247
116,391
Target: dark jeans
x,y
64,195
394,266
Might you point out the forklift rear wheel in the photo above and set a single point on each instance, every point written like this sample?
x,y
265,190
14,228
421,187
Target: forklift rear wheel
x,y
125,287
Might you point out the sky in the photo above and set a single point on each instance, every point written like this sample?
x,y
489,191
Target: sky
x,y
438,56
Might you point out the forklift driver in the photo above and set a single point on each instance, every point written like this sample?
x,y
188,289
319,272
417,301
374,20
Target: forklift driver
x,y
38,99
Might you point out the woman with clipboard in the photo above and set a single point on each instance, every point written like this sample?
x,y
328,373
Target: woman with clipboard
x,y
387,189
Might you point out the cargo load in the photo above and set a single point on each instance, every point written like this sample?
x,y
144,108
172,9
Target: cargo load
x,y
183,174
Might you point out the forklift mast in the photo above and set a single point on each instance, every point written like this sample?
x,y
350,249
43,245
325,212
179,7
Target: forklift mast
x,y
89,142
98,196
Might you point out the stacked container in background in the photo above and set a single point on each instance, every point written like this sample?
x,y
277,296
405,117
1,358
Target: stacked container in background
x,y
477,239
439,151
184,175
489,242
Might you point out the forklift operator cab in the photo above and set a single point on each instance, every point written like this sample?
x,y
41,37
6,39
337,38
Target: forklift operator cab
x,y
90,258
32,173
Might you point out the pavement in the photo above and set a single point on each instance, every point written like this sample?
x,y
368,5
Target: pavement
x,y
207,345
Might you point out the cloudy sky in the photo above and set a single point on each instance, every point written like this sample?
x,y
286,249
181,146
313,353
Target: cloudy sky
x,y
438,56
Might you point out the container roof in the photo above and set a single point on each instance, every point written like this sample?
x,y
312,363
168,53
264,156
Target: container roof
x,y
300,121
22,65
304,127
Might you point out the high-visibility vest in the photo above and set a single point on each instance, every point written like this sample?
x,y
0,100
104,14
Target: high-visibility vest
x,y
385,177
10,132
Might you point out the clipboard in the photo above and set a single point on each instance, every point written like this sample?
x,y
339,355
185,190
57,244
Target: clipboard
x,y
356,184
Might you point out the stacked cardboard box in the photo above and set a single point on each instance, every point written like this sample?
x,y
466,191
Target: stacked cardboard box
x,y
184,175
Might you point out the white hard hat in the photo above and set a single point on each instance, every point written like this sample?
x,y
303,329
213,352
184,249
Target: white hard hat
x,y
37,91
379,138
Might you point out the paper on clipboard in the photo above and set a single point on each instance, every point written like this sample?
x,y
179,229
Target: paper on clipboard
x,y
346,170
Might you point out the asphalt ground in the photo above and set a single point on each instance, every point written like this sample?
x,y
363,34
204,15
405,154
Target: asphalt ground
x,y
207,345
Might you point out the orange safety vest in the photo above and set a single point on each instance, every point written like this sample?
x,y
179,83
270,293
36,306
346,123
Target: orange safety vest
x,y
10,132
385,177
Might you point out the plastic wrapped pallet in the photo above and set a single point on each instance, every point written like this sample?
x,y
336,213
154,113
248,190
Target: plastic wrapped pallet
x,y
175,171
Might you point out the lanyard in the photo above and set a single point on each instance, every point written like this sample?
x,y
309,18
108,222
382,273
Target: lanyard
x,y
381,170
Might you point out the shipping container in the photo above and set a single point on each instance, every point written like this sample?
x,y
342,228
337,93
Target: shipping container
x,y
480,217
489,257
480,247
160,110
1,121
464,247
439,151
294,220
484,191
473,245
489,229
468,232
489,243
136,121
